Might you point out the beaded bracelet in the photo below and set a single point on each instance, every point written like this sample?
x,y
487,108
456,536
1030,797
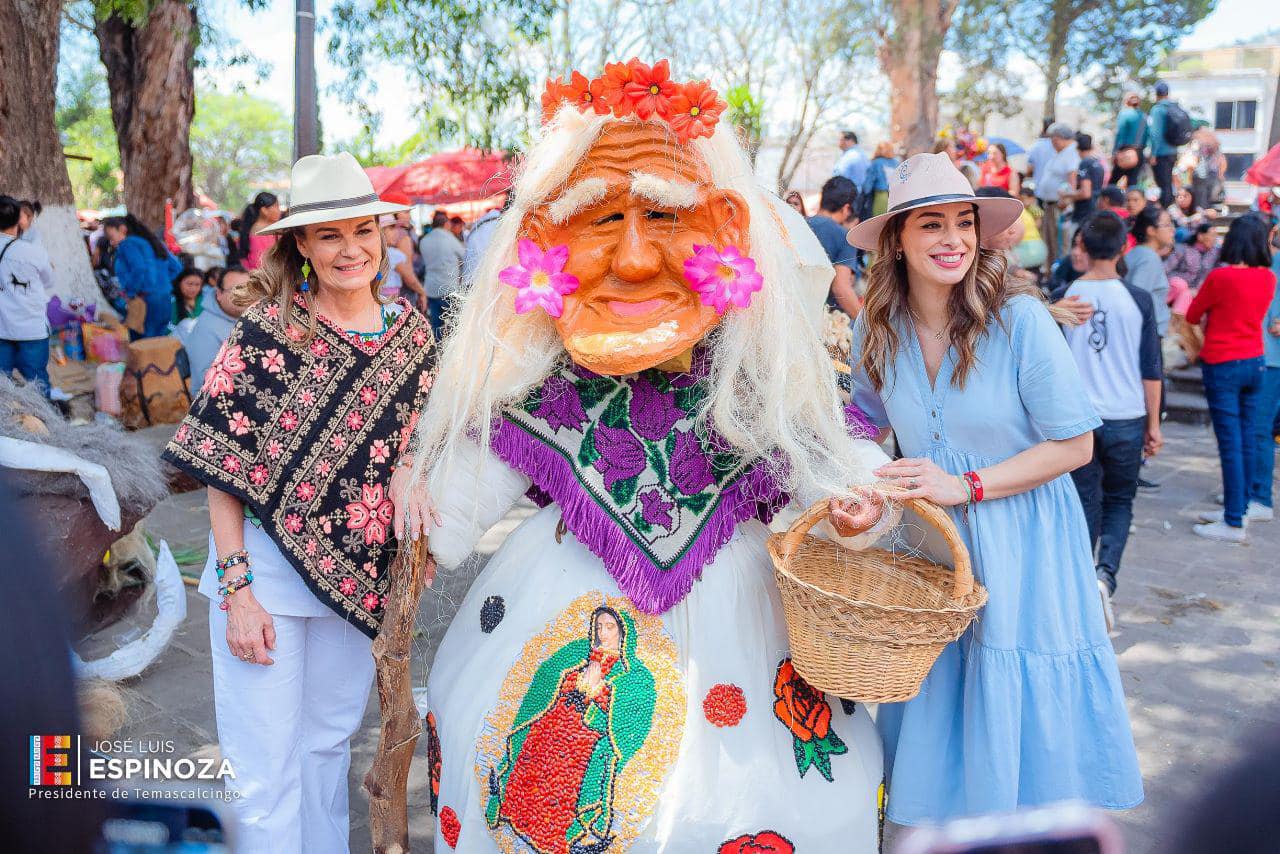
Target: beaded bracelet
x,y
975,485
228,589
234,559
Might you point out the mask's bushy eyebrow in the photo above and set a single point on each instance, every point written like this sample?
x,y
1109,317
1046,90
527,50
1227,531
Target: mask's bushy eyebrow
x,y
586,192
663,191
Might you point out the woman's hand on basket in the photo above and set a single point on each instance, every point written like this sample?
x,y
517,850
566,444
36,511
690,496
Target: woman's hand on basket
x,y
853,516
414,509
921,478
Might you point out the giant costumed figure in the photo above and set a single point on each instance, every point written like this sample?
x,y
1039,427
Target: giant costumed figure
x,y
640,353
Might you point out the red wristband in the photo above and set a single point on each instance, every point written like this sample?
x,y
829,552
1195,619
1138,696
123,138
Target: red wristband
x,y
975,483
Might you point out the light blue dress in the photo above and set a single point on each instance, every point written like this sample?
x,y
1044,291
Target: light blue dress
x,y
1027,707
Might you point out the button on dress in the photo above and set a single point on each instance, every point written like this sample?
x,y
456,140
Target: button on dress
x,y
1027,707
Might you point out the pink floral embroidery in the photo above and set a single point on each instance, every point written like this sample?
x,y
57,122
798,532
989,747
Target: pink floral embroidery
x,y
385,377
539,278
293,333
722,277
205,447
355,420
380,451
327,565
307,397
368,395
219,379
371,568
273,361
319,347
371,514
419,337
424,381
272,311
324,467
183,433
370,601
347,586
231,464
320,371
274,449
339,442
289,420
311,547
239,423
399,357
306,491
259,475
293,523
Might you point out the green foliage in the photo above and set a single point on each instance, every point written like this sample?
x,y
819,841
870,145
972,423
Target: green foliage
x,y
462,57
84,124
1108,45
746,113
239,142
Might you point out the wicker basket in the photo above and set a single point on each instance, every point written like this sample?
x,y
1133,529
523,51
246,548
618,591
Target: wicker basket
x,y
868,625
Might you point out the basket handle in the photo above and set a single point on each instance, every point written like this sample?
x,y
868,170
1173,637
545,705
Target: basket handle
x,y
932,514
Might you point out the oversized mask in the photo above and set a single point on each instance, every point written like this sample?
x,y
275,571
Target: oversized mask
x,y
638,255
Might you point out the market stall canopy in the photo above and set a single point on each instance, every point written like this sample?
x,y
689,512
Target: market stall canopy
x,y
446,178
1266,171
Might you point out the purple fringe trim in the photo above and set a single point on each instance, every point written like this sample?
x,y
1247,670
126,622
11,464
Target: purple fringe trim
x,y
754,495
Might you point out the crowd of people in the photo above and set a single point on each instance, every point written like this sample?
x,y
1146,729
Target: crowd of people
x,y
648,384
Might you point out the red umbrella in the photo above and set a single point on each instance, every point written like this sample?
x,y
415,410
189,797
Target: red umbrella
x,y
452,176
1265,172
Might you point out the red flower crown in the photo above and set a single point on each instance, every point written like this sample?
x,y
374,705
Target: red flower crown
x,y
632,88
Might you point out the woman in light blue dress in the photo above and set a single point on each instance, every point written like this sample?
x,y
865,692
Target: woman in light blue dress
x,y
973,376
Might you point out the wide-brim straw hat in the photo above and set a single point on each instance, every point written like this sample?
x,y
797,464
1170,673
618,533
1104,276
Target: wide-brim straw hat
x,y
926,180
327,188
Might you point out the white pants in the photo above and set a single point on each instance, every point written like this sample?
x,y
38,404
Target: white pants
x,y
286,729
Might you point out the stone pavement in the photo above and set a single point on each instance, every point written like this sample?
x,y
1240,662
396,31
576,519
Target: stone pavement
x,y
1198,640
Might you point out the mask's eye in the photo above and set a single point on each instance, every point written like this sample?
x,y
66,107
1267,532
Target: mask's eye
x,y
664,215
613,217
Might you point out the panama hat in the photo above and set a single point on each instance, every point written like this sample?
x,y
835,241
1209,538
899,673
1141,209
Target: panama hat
x,y
326,188
932,179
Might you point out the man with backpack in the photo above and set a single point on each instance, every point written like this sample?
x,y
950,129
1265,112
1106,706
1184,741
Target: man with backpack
x,y
1170,128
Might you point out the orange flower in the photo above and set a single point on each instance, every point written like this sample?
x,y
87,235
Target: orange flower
x,y
613,84
800,706
695,109
557,92
650,89
586,93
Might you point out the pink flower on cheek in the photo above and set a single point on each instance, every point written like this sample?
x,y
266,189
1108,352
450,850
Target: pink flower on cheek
x,y
539,278
722,277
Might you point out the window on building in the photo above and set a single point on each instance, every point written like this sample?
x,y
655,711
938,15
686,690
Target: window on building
x,y
1237,165
1235,115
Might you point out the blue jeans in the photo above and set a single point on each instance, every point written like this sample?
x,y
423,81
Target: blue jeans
x,y
1264,453
31,358
1107,485
435,315
159,315
1233,390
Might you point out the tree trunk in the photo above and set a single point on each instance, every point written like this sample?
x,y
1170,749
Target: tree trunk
x,y
388,777
150,75
909,57
31,161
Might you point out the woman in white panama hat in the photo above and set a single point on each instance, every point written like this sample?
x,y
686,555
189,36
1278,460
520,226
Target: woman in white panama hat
x,y
972,374
297,430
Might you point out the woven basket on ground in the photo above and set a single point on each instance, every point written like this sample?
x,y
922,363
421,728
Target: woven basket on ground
x,y
868,625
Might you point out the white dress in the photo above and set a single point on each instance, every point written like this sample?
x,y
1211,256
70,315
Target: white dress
x,y
718,767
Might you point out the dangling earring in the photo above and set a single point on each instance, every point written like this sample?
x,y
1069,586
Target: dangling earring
x,y
898,255
378,276
306,276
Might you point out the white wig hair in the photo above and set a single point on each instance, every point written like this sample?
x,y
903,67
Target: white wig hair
x,y
772,387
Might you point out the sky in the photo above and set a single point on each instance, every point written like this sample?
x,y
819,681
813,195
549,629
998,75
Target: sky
x,y
269,35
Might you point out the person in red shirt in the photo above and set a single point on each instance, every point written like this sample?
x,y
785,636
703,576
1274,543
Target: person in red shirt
x,y
1234,300
996,171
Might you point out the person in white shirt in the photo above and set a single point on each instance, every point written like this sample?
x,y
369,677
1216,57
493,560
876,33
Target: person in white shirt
x,y
442,256
853,162
25,276
1117,351
1056,182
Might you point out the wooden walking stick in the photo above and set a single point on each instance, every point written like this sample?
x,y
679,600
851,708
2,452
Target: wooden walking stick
x,y
388,777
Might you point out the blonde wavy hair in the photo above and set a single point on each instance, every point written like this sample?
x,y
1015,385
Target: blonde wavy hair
x,y
973,303
279,275
772,391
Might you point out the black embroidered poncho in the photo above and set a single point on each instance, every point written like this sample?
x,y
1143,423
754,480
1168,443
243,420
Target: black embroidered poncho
x,y
307,437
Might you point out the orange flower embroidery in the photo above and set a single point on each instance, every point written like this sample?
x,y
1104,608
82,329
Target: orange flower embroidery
x,y
695,110
805,712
